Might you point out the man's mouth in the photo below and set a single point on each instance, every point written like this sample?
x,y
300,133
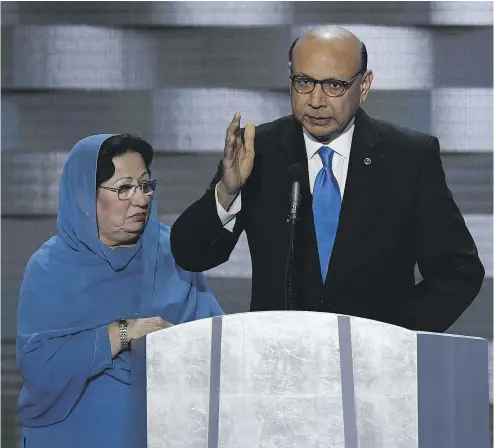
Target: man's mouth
x,y
320,121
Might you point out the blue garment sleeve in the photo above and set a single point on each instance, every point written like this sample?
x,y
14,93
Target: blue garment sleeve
x,y
120,369
201,302
62,344
206,303
56,369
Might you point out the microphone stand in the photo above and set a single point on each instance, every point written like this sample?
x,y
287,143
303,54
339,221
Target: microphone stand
x,y
291,221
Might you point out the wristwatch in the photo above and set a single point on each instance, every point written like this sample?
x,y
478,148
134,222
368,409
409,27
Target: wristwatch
x,y
124,339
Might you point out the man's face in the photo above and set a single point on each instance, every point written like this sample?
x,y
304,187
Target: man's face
x,y
322,116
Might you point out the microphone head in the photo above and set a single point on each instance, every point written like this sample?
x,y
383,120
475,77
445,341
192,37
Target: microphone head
x,y
295,175
295,172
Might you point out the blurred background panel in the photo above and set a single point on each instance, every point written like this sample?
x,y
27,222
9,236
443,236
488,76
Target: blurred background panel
x,y
175,72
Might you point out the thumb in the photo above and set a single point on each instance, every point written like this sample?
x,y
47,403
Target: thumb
x,y
249,136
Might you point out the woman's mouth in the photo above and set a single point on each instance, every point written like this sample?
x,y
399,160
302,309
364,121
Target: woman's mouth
x,y
138,217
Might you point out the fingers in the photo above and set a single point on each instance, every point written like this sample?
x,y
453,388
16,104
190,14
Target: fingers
x,y
231,135
156,320
141,327
162,323
238,142
233,141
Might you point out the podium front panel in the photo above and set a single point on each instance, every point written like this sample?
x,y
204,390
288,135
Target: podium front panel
x,y
280,390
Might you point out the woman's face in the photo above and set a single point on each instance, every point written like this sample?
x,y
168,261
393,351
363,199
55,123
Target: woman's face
x,y
120,222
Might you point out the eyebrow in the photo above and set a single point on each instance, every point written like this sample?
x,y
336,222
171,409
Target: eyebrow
x,y
129,178
304,75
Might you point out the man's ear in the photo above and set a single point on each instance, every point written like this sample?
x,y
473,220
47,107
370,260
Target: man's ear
x,y
365,85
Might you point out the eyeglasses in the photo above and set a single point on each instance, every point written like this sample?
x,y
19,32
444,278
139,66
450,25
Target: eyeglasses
x,y
128,191
331,87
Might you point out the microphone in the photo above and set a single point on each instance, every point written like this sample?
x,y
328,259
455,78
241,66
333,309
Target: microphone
x,y
295,173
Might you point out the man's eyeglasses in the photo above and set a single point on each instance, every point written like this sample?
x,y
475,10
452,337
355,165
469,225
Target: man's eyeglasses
x,y
331,87
128,191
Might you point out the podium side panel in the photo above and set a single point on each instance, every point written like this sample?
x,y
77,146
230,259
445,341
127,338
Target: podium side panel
x,y
471,393
178,385
281,381
453,391
435,368
385,378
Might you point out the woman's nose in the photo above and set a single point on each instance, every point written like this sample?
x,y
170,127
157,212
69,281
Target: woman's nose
x,y
140,198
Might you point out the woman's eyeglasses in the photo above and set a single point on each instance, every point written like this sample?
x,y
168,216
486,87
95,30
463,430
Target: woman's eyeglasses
x,y
126,192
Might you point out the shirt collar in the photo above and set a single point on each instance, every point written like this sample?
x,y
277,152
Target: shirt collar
x,y
341,145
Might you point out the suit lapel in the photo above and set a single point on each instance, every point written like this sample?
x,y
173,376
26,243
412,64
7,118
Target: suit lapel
x,y
360,201
293,145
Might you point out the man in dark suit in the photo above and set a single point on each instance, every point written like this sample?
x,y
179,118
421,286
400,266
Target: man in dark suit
x,y
374,203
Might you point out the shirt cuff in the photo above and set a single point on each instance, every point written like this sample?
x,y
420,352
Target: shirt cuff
x,y
227,218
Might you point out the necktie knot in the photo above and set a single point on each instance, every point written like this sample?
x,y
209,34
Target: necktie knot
x,y
326,155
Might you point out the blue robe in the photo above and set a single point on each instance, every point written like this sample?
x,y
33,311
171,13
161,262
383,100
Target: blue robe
x,y
74,394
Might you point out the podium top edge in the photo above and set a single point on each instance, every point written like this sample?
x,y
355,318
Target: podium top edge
x,y
277,313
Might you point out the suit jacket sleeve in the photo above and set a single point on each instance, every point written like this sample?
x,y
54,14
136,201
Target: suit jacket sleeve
x,y
198,239
446,253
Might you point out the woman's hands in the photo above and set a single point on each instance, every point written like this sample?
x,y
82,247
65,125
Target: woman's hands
x,y
136,329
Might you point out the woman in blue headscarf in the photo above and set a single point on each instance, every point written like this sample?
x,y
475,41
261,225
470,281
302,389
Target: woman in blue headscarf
x,y
106,279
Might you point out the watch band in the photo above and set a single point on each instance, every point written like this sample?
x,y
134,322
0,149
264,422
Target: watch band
x,y
124,339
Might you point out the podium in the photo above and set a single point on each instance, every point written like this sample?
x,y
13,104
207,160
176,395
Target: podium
x,y
290,379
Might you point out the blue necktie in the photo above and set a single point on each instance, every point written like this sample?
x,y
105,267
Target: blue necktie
x,y
326,205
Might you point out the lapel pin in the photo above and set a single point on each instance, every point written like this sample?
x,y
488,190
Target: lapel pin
x,y
367,161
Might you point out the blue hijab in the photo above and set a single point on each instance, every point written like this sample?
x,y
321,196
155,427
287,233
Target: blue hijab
x,y
75,285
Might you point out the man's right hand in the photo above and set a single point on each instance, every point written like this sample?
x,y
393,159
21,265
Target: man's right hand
x,y
238,160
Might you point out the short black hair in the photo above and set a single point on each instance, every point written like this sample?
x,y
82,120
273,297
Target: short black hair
x,y
363,54
118,145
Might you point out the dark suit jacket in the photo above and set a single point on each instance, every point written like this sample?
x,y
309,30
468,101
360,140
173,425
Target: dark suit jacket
x,y
396,211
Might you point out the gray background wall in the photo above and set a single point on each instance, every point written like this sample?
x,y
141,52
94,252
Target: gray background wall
x,y
175,72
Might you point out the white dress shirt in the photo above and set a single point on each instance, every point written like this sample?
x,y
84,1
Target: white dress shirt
x,y
341,147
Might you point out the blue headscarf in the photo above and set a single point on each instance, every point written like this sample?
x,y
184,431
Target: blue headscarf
x,y
75,285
